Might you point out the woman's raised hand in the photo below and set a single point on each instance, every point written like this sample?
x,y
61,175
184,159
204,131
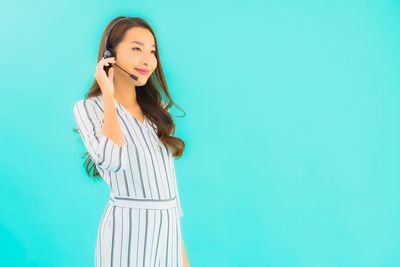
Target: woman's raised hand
x,y
105,82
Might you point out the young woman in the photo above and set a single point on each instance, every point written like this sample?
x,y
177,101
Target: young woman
x,y
127,130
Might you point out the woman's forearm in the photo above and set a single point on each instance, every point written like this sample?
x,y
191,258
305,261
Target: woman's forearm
x,y
111,127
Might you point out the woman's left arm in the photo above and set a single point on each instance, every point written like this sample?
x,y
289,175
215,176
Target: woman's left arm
x,y
185,259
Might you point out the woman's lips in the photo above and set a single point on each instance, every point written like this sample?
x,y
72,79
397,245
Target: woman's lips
x,y
141,71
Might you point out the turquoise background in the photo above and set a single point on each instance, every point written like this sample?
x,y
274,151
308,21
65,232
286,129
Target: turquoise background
x,y
292,130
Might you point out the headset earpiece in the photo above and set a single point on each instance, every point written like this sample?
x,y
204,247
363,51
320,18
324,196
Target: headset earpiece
x,y
108,53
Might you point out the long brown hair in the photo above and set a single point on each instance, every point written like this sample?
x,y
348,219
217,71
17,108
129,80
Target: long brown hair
x,y
149,96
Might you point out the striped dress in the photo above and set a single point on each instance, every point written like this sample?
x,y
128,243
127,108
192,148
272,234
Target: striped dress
x,y
141,222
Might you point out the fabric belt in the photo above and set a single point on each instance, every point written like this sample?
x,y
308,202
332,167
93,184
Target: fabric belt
x,y
143,203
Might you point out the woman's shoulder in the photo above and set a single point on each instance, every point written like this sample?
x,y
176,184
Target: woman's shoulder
x,y
94,103
90,100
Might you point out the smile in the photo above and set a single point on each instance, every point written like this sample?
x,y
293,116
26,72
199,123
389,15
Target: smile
x,y
141,71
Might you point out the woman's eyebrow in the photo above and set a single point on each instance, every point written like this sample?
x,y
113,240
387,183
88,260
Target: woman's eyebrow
x,y
140,43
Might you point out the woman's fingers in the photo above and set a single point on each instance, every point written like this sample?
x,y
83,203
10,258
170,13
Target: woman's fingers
x,y
105,62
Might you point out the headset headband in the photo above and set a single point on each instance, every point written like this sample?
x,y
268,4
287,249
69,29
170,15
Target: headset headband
x,y
109,31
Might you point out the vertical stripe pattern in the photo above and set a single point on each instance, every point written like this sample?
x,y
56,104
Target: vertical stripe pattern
x,y
142,168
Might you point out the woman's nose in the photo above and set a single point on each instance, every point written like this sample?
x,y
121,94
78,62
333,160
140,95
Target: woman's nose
x,y
146,59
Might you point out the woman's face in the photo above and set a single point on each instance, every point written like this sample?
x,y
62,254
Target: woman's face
x,y
136,52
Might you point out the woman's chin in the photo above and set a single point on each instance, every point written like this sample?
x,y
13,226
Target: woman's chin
x,y
140,82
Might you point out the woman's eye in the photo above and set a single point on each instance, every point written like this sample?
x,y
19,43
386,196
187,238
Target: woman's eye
x,y
139,49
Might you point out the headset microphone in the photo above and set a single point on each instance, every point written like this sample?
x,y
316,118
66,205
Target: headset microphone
x,y
108,52
133,76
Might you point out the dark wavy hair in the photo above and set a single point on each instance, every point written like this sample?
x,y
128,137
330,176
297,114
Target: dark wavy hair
x,y
149,96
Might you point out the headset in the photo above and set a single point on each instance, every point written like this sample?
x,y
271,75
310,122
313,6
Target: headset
x,y
109,52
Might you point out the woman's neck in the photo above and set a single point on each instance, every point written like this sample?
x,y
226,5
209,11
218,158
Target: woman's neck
x,y
125,94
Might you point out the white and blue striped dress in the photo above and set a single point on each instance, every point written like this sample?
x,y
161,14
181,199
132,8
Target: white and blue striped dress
x,y
141,169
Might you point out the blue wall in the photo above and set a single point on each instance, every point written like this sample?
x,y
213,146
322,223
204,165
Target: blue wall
x,y
292,130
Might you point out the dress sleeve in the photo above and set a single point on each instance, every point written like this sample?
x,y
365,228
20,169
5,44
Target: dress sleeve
x,y
180,212
103,151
